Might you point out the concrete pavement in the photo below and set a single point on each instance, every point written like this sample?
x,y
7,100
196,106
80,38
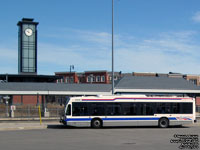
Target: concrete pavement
x,y
130,138
31,125
25,125
7,124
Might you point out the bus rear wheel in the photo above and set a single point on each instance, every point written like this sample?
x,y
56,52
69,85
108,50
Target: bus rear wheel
x,y
96,123
163,123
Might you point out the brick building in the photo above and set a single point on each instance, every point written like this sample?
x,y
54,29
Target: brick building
x,y
93,77
67,77
96,77
194,79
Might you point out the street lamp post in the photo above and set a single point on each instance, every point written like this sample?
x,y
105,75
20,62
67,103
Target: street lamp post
x,y
113,47
71,68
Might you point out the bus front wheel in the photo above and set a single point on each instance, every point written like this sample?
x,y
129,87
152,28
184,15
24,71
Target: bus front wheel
x,y
163,123
96,123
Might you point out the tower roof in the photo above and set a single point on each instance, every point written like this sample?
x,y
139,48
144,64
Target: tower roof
x,y
27,21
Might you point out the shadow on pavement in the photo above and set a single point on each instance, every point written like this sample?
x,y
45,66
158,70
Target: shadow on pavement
x,y
121,127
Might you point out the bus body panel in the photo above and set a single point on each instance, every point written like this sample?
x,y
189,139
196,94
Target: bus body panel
x,y
127,120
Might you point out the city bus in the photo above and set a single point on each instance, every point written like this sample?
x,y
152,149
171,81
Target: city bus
x,y
128,110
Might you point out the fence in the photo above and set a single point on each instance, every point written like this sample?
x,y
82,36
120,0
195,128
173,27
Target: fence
x,y
4,110
198,110
31,111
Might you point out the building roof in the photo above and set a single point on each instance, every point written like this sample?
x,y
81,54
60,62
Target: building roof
x,y
135,82
27,21
54,88
128,84
29,78
155,84
95,71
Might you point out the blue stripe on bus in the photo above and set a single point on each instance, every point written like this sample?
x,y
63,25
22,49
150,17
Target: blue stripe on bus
x,y
113,119
78,119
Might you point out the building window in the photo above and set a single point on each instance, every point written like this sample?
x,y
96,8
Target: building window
x,y
80,80
194,81
71,79
93,79
88,79
115,77
110,78
102,78
67,80
98,79
60,81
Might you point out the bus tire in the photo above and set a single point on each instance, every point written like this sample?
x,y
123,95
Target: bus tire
x,y
96,123
163,122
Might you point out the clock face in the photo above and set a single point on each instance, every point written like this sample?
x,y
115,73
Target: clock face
x,y
28,32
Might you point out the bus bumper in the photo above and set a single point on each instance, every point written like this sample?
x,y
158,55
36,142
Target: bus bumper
x,y
62,120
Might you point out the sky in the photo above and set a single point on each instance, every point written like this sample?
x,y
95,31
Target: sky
x,y
149,35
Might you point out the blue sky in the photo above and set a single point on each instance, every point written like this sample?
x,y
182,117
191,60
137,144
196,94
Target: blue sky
x,y
150,35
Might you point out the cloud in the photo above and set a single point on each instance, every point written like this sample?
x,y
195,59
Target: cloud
x,y
196,17
91,50
83,57
8,59
102,38
8,53
173,51
168,51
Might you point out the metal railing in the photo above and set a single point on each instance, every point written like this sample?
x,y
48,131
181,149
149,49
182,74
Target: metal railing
x,y
30,111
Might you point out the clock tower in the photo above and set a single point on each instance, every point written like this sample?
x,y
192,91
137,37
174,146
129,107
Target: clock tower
x,y
27,46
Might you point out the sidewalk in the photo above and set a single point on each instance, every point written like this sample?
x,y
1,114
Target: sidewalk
x,y
25,125
7,124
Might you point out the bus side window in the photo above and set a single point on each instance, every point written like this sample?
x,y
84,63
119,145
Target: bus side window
x,y
109,109
186,108
68,113
175,108
113,109
97,109
79,109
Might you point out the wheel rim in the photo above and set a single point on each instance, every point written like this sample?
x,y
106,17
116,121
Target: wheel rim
x,y
163,123
97,123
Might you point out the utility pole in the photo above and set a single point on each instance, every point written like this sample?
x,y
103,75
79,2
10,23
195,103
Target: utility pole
x,y
113,86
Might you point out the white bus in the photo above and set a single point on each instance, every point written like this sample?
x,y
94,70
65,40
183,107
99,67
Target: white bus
x,y
128,110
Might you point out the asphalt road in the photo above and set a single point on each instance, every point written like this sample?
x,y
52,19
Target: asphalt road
x,y
60,138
